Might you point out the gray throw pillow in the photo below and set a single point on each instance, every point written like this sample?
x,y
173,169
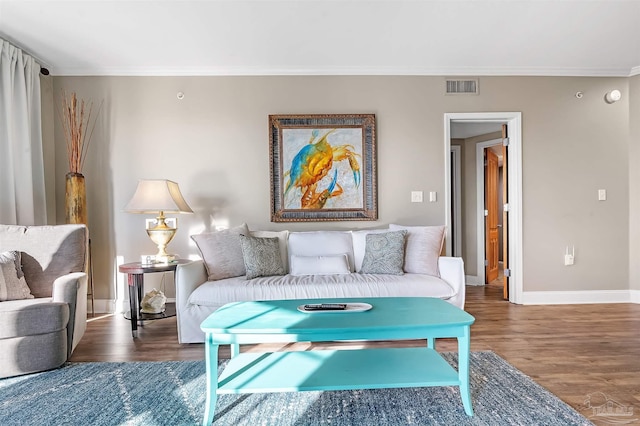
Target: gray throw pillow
x,y
221,252
12,283
384,253
261,256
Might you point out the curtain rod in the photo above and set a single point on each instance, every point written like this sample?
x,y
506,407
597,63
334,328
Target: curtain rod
x,y
43,69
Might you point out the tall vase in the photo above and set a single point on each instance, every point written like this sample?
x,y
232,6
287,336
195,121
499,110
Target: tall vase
x,y
75,199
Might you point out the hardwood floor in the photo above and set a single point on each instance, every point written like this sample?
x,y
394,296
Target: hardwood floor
x,y
571,350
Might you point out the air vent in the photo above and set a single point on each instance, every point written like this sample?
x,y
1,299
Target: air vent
x,y
462,87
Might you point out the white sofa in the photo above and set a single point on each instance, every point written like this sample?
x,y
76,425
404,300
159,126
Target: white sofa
x,y
198,295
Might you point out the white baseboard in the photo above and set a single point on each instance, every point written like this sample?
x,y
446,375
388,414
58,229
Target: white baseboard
x,y
108,306
579,297
102,306
473,280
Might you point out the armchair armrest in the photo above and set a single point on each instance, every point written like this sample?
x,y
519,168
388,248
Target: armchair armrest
x,y
452,271
72,289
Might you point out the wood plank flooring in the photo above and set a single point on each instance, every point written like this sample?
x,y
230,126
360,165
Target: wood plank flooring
x,y
571,350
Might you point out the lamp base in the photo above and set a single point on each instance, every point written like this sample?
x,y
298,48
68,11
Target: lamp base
x,y
162,234
165,258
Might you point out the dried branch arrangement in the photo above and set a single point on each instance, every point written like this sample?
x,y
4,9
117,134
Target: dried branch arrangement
x,y
75,122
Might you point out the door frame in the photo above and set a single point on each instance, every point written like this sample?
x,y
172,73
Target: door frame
x,y
514,121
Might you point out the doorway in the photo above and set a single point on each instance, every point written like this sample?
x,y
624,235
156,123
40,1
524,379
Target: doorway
x,y
471,230
489,211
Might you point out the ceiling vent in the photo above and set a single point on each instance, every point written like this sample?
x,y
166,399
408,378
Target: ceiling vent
x,y
468,86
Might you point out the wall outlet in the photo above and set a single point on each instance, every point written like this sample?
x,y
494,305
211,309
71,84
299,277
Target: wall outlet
x,y
416,196
568,259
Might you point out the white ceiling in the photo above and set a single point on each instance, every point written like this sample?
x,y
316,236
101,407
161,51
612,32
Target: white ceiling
x,y
313,37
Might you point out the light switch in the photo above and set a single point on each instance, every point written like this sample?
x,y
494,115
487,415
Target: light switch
x,y
602,194
416,196
433,197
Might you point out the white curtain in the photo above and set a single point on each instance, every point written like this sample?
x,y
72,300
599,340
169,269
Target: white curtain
x,y
22,188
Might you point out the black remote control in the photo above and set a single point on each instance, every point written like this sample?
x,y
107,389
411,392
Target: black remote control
x,y
326,307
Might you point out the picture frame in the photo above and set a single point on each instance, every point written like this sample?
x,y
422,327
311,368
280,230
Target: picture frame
x,y
323,167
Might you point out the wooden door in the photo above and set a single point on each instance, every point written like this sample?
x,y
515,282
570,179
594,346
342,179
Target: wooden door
x,y
492,235
505,214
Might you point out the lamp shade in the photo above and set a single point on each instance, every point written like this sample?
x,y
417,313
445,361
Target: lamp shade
x,y
157,195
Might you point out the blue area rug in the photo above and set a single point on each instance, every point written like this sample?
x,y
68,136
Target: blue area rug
x,y
173,393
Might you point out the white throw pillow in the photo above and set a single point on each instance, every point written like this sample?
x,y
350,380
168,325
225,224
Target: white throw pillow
x,y
360,243
222,252
320,265
321,243
12,283
424,244
282,237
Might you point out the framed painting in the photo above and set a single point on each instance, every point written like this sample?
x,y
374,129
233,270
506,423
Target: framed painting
x,y
323,167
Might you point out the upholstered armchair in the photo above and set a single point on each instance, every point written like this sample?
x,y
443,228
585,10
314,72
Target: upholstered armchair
x,y
41,325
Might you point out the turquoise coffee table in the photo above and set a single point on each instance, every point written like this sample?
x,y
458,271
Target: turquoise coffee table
x,y
391,318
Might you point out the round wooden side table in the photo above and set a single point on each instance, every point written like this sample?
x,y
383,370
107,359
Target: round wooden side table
x,y
135,279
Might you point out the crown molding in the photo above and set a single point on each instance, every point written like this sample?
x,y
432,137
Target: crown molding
x,y
347,71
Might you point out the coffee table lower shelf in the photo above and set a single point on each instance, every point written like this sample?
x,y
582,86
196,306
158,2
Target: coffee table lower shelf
x,y
336,370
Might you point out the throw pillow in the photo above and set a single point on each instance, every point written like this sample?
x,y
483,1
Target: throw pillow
x,y
320,265
261,256
359,244
321,243
424,244
282,237
221,252
12,283
384,253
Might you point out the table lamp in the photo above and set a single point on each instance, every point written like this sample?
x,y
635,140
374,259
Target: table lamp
x,y
159,196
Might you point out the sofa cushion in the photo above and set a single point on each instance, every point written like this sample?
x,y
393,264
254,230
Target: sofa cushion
x,y
384,253
12,283
32,316
215,294
221,252
48,252
261,256
321,243
282,237
424,244
320,265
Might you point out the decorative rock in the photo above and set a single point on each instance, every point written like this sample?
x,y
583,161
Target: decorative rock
x,y
153,302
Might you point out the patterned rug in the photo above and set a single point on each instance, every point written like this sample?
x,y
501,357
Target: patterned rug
x,y
173,393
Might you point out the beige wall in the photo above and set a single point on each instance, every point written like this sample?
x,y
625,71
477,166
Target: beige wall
x,y
214,143
634,182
